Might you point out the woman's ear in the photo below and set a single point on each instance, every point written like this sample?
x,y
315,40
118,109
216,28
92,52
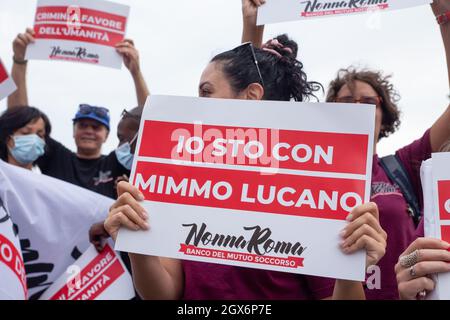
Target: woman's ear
x,y
10,142
254,91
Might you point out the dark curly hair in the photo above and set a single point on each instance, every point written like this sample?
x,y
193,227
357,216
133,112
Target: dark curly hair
x,y
283,77
15,118
381,84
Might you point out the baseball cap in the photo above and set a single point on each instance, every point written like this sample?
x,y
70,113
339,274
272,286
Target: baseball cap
x,y
100,114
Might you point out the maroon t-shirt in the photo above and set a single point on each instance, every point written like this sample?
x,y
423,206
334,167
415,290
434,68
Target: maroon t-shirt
x,y
217,282
208,281
394,217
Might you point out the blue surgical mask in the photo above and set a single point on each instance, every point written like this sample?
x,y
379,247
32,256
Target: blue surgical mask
x,y
27,148
124,155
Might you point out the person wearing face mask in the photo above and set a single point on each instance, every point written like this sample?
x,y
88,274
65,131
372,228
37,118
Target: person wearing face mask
x,y
23,136
87,167
127,132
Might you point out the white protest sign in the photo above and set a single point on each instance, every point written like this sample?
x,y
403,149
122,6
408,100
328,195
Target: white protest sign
x,y
262,184
437,211
79,30
13,284
94,276
274,11
53,218
7,85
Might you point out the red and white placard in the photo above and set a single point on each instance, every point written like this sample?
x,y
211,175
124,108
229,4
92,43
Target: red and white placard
x,y
257,184
13,284
274,11
7,85
79,30
436,185
94,276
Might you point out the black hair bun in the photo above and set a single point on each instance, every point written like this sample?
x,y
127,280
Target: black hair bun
x,y
285,46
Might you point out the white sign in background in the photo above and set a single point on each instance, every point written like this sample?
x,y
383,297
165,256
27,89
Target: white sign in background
x,y
7,85
319,236
86,31
274,11
53,219
93,276
433,171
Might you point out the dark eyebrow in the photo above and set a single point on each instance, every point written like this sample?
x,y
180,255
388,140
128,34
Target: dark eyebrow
x,y
204,83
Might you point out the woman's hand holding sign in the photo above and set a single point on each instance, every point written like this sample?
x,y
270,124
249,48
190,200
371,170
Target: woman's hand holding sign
x,y
423,258
365,232
251,32
20,44
130,57
126,211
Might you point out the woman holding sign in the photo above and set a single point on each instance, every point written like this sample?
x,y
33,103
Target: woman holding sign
x,y
424,258
86,167
400,204
399,214
250,74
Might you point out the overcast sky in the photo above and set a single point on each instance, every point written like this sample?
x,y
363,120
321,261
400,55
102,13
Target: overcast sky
x,y
176,39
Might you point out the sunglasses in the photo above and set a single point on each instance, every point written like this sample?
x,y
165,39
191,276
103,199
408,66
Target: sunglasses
x,y
98,111
255,61
376,100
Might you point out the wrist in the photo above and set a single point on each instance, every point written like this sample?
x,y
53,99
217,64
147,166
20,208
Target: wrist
x,y
137,74
20,61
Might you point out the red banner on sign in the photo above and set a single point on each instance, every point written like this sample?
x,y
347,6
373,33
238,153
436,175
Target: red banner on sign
x,y
93,279
85,34
83,16
3,73
286,149
444,199
319,197
289,262
11,257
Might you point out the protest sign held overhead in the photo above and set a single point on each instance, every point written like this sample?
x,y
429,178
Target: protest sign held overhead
x,y
94,276
270,189
274,11
7,85
79,30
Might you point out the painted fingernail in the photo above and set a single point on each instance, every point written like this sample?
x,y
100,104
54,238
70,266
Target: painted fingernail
x,y
349,217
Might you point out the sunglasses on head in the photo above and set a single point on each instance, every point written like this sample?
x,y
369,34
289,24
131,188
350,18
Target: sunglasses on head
x,y
376,100
255,61
99,111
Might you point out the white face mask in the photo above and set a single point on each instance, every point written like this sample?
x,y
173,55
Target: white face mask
x,y
124,155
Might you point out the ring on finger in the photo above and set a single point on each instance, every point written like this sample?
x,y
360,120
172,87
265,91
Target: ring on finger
x,y
412,272
422,295
410,259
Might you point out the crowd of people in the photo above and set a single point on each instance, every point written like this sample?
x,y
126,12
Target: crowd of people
x,y
390,228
